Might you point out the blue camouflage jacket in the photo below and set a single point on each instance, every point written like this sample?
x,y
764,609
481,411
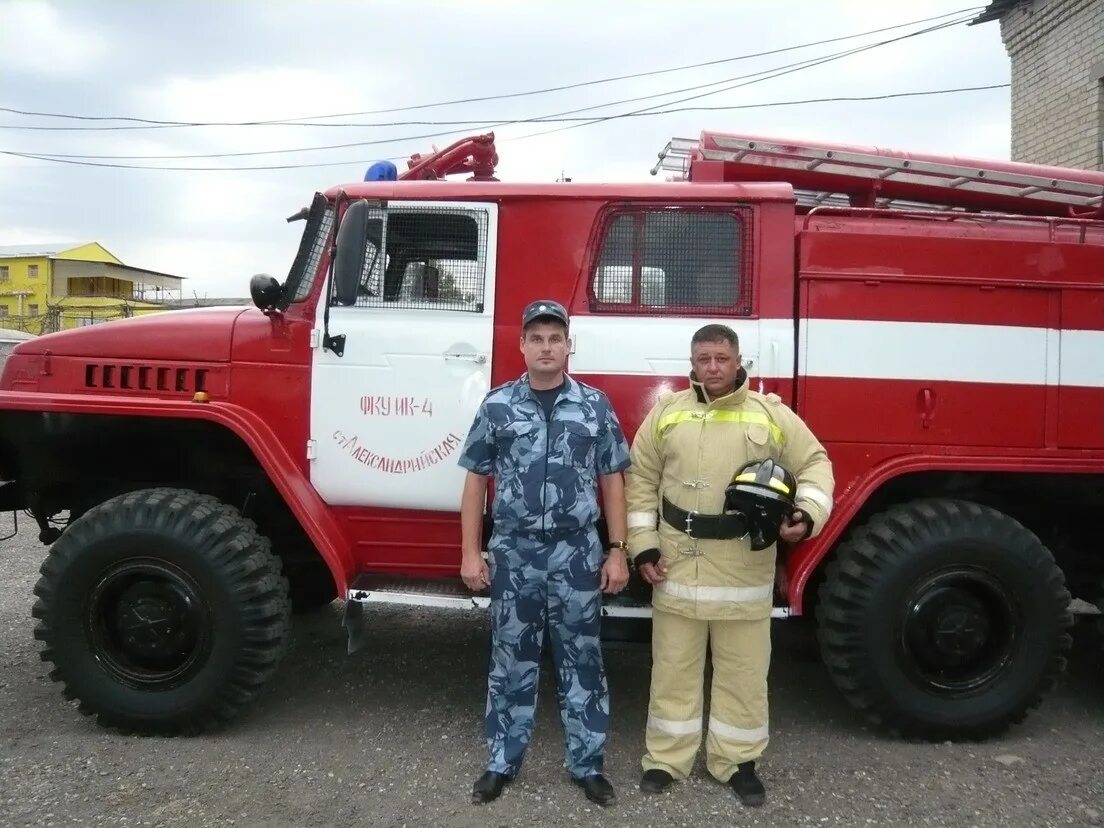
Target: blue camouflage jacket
x,y
546,472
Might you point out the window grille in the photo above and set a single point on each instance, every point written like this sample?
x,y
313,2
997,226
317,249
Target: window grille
x,y
674,260
432,258
316,237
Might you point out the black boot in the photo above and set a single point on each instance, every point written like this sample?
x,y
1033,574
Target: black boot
x,y
597,788
655,781
746,785
488,787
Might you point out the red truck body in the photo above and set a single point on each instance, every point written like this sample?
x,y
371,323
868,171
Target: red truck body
x,y
938,322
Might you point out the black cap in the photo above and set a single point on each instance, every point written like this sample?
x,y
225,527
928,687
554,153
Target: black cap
x,y
543,308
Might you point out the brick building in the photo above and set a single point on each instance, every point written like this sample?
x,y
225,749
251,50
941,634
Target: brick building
x,y
1056,48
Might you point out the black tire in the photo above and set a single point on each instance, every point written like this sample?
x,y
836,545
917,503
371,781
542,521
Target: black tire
x,y
975,576
163,612
311,587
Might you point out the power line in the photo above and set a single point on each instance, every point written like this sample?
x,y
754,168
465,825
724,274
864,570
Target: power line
x,y
755,77
550,120
778,72
481,125
301,120
65,160
841,98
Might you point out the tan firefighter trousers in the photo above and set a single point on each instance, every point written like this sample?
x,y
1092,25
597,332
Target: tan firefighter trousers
x,y
738,699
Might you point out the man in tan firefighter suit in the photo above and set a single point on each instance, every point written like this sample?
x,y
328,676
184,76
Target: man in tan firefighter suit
x,y
710,586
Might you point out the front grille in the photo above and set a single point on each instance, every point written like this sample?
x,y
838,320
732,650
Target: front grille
x,y
159,379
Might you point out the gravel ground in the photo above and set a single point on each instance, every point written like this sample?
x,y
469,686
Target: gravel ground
x,y
391,736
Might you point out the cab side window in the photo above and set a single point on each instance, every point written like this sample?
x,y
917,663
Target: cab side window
x,y
429,258
681,260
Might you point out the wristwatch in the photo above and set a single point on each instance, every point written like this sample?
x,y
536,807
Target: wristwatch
x,y
618,545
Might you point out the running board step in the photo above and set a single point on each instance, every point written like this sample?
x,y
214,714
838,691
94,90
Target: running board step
x,y
418,592
449,593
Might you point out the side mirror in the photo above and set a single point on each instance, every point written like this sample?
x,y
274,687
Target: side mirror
x,y
265,291
352,242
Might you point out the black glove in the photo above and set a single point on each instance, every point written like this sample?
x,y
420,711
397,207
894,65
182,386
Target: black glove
x,y
648,556
807,519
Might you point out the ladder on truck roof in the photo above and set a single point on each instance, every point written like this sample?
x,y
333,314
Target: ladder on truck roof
x,y
844,176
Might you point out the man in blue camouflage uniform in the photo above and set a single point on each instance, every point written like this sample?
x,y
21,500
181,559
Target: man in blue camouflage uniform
x,y
550,442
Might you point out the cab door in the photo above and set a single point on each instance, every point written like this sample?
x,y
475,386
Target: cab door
x,y
390,415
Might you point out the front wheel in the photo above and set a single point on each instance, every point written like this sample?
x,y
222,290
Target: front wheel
x,y
944,619
163,612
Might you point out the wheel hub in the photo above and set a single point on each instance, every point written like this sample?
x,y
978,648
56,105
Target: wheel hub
x,y
952,623
151,623
146,622
958,630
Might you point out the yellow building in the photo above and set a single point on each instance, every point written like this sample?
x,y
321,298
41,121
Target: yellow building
x,y
46,288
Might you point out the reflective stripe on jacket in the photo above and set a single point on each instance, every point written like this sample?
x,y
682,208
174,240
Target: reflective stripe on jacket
x,y
688,449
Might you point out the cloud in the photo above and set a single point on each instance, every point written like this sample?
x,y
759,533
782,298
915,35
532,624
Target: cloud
x,y
36,39
250,60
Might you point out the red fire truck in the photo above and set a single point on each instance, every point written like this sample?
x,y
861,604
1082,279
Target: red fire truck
x,y
939,323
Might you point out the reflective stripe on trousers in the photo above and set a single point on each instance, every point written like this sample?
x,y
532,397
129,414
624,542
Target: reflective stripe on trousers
x,y
738,730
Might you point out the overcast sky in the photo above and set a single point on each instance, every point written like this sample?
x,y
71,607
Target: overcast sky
x,y
239,61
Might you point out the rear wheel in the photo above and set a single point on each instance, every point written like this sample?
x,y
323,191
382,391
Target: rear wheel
x,y
163,611
944,619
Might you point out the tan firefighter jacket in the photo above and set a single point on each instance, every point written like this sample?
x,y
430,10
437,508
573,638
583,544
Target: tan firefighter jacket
x,y
687,449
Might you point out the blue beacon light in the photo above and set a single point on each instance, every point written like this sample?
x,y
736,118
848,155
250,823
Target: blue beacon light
x,y
382,171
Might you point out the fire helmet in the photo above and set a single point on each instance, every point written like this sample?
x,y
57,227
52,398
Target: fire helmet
x,y
763,492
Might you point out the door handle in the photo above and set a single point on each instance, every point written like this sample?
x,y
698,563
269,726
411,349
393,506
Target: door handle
x,y
477,358
926,403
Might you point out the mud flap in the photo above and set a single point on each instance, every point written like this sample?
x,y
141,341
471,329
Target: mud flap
x,y
355,628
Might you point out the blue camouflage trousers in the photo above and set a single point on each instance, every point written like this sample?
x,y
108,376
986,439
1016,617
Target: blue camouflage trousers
x,y
535,582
